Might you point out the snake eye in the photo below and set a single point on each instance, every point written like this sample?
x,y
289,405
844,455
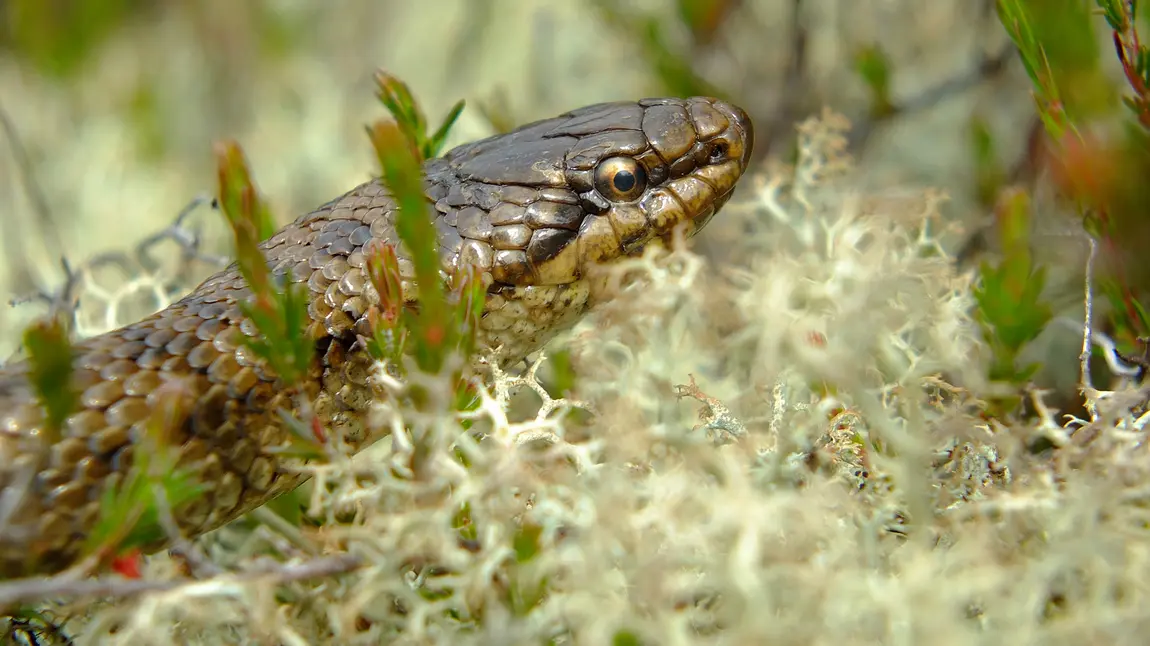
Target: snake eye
x,y
620,179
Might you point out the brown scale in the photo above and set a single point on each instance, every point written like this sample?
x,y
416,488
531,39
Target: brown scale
x,y
532,209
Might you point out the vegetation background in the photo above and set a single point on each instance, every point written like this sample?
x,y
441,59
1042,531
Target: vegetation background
x,y
871,357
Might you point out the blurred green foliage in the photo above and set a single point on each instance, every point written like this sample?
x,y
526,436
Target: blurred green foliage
x,y
1010,306
671,63
704,18
1121,15
990,176
1099,172
56,36
871,63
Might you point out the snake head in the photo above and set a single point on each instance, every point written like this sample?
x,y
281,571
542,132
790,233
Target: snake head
x,y
538,208
542,204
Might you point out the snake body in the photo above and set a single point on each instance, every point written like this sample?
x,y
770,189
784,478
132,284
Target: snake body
x,y
533,209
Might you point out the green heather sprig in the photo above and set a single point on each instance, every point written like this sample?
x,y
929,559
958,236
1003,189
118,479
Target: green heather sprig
x,y
446,320
1101,177
1132,54
129,515
278,311
397,98
278,306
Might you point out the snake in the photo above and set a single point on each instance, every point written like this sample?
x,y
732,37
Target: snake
x,y
534,211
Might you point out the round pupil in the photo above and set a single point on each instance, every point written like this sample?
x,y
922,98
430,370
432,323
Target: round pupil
x,y
624,180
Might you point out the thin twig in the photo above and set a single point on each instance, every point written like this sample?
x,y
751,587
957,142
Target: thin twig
x,y
36,589
1118,364
1087,320
64,301
187,240
717,420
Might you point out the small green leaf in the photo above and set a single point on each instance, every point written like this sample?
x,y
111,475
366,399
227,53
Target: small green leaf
x,y
465,524
1143,316
50,364
469,296
435,143
625,638
989,174
871,63
384,274
1012,219
526,542
1115,13
397,98
403,175
282,341
388,333
245,213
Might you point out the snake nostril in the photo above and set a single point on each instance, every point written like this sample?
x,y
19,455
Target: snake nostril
x,y
742,121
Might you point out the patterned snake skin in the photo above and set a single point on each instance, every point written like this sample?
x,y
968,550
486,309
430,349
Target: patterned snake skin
x,y
533,208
